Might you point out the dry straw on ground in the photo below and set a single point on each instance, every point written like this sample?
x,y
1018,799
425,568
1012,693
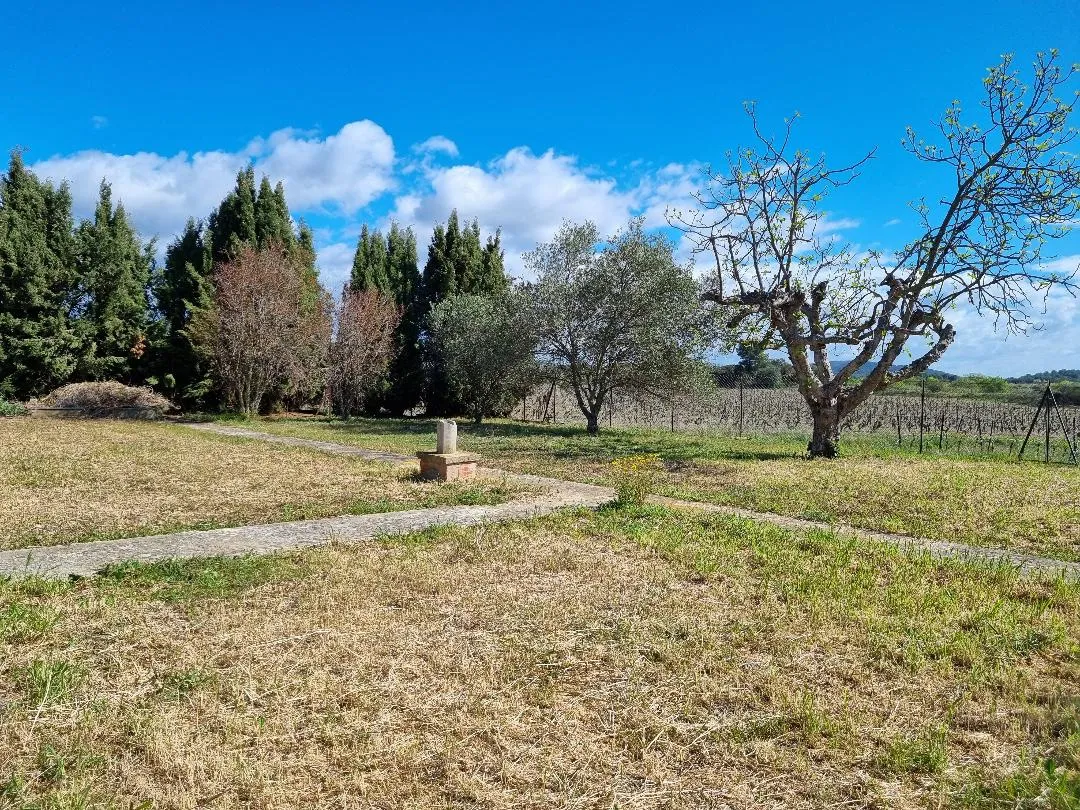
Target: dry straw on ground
x,y
103,398
627,659
64,481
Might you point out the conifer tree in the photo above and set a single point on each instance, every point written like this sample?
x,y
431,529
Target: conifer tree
x,y
439,282
405,381
182,287
369,270
272,222
38,344
492,278
458,264
233,224
114,271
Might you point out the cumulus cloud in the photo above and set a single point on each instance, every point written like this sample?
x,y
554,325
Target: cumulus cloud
x,y
528,196
340,173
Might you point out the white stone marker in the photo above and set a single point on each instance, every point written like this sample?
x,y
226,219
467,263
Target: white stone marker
x,y
446,436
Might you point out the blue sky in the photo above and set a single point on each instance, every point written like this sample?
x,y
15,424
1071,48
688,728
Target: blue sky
x,y
518,114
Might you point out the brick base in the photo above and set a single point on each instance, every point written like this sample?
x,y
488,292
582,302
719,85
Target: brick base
x,y
447,466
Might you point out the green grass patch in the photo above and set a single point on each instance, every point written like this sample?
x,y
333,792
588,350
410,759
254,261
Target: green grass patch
x,y
989,501
206,578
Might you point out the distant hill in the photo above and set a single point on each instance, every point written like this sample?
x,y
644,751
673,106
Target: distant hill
x,y
1061,374
868,367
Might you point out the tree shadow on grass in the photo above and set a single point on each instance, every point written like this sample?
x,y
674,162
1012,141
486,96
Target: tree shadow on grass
x,y
570,442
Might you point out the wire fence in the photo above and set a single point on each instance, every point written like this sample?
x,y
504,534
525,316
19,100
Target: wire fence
x,y
921,423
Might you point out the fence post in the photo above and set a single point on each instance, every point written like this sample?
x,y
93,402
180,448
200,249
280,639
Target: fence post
x,y
922,413
740,408
1046,456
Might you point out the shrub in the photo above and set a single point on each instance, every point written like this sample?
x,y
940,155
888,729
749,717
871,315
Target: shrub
x,y
102,398
11,408
635,478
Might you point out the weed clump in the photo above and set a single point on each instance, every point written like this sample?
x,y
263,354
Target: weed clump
x,y
634,478
8,408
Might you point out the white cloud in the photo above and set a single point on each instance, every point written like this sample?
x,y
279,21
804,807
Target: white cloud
x,y
437,143
345,171
528,196
335,265
341,173
891,222
99,121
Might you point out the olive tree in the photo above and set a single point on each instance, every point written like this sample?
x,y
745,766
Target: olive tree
x,y
486,345
615,314
783,282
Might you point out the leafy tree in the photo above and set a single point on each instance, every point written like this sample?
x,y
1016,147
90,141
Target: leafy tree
x,y
619,315
783,282
114,270
486,345
39,346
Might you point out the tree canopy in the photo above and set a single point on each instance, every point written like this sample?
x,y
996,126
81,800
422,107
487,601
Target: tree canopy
x,y
613,315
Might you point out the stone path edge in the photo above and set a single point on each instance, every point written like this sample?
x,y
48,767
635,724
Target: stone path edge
x,y
88,559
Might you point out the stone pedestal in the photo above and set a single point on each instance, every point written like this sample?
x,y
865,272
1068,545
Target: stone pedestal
x,y
447,466
446,463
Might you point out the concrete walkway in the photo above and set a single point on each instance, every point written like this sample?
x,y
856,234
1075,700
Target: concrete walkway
x,y
86,559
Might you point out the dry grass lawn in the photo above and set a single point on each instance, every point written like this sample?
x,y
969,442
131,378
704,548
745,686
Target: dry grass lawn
x,y
984,502
65,481
630,659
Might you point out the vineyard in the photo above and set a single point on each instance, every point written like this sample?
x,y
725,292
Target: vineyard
x,y
924,424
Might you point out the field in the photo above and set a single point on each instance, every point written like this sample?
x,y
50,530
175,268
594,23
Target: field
x,y
981,501
65,481
630,657
635,659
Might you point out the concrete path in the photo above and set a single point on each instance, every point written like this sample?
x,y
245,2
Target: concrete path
x,y
86,559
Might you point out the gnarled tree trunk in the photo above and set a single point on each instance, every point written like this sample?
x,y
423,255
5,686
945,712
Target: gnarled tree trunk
x,y
592,423
825,442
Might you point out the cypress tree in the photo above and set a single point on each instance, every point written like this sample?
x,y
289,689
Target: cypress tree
x,y
467,259
38,345
406,374
233,224
114,272
438,279
370,263
181,287
493,279
458,264
272,221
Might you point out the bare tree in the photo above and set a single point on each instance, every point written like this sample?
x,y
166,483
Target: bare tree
x,y
782,282
362,348
264,329
614,315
